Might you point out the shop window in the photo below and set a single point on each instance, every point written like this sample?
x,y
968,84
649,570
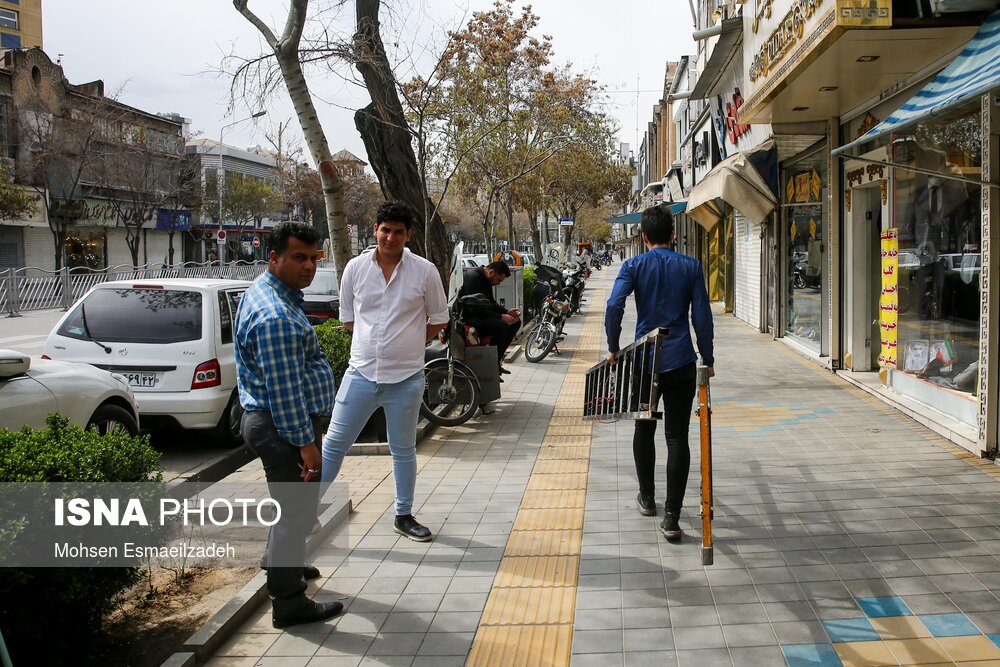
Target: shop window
x,y
938,225
803,224
85,251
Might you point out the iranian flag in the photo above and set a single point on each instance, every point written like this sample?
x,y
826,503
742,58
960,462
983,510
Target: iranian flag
x,y
946,352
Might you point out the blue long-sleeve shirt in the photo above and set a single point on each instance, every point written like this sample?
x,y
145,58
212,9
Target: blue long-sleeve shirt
x,y
667,286
279,364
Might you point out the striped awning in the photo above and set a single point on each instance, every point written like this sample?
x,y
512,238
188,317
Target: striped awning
x,y
973,72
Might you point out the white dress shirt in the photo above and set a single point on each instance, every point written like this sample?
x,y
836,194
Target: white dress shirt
x,y
390,318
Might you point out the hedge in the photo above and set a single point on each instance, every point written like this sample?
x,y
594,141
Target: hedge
x,y
530,307
75,599
335,342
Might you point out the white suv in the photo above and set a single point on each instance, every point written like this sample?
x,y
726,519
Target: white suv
x,y
172,339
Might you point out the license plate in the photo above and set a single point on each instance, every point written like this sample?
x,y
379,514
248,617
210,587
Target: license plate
x,y
142,379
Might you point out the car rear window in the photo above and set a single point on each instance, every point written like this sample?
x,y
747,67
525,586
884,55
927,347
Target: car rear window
x,y
324,282
136,315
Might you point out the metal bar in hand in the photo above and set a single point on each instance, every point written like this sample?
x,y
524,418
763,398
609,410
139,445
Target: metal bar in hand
x,y
707,502
628,389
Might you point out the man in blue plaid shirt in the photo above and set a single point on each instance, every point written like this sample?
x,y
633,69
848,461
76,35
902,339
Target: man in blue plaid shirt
x,y
286,389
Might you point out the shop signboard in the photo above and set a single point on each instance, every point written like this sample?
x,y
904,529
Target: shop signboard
x,y
888,305
778,35
864,13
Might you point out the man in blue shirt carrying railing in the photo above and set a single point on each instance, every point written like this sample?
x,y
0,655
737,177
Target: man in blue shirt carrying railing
x,y
667,286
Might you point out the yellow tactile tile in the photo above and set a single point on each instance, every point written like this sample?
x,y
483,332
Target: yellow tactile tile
x,y
544,543
548,453
566,441
917,651
538,571
579,429
561,467
559,499
899,627
864,654
530,606
557,482
521,646
549,519
975,647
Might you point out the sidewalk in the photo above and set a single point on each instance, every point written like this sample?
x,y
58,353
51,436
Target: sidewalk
x,y
844,534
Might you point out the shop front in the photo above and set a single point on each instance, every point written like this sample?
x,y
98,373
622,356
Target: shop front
x,y
918,202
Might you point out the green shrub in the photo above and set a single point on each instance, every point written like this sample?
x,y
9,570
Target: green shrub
x,y
529,292
76,599
335,342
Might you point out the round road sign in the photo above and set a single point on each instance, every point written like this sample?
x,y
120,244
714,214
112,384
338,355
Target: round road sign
x,y
256,242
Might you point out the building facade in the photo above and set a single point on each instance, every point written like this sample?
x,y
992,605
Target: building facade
x,y
20,24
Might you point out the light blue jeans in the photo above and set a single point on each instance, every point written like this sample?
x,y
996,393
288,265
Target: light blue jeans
x,y
357,399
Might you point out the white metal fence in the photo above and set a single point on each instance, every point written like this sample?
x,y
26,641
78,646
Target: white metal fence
x,y
29,288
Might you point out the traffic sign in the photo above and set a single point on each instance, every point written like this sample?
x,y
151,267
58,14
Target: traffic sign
x,y
566,222
256,242
221,235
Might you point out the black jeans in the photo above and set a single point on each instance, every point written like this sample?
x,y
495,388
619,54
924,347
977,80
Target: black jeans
x,y
286,543
677,388
501,332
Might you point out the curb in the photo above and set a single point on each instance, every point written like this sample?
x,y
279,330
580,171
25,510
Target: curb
x,y
424,429
218,470
224,623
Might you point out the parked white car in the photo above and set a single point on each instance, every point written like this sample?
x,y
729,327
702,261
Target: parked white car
x,y
172,340
31,389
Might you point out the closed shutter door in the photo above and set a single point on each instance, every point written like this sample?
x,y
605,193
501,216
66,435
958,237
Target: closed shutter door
x,y
747,279
39,252
156,248
118,253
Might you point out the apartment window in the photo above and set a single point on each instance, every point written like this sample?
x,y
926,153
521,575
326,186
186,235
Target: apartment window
x,y
8,19
10,41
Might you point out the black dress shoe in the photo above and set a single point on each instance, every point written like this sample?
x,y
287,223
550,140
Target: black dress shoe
x,y
313,612
504,371
647,505
309,572
408,527
671,527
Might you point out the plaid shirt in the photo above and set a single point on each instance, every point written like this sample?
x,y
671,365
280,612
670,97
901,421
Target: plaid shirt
x,y
279,364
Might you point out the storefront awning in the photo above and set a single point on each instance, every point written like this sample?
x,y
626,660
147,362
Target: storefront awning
x,y
973,72
626,218
678,207
736,182
730,41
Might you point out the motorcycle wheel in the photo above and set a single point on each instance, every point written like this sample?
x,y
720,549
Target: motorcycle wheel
x,y
798,281
449,404
540,342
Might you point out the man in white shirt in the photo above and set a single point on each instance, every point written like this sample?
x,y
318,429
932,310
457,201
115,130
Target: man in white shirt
x,y
393,302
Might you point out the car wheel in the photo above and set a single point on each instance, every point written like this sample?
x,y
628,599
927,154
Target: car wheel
x,y
229,432
111,419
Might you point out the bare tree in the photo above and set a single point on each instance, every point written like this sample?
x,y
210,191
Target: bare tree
x,y
285,50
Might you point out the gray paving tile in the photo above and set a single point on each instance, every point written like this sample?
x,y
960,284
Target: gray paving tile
x,y
715,657
597,641
598,619
647,658
702,636
649,617
749,634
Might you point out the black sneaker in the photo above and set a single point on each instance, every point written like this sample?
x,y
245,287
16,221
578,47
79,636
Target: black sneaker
x,y
410,528
313,612
671,528
647,505
504,371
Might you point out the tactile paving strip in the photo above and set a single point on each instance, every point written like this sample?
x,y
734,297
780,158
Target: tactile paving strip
x,y
528,619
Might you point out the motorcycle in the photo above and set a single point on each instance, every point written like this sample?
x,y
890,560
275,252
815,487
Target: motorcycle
x,y
597,263
556,307
451,388
575,280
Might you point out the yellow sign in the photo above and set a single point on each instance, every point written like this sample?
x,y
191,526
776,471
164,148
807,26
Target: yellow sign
x,y
888,303
802,186
817,186
864,13
812,228
789,32
790,190
792,229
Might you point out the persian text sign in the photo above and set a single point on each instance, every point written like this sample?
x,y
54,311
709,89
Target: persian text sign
x,y
888,303
782,38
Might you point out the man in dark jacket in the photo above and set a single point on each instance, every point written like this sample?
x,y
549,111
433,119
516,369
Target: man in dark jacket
x,y
499,323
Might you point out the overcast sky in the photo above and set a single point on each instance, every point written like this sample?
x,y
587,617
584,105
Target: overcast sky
x,y
160,54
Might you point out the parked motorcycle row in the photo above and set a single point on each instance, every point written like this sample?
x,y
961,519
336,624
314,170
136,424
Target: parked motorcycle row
x,y
562,294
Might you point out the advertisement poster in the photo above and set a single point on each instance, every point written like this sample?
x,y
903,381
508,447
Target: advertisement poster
x,y
888,305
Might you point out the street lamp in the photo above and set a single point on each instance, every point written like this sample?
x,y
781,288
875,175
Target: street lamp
x,y
218,176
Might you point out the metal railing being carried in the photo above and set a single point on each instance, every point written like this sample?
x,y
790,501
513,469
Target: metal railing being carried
x,y
30,288
628,388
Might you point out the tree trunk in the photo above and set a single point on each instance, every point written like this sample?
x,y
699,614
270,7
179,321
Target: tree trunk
x,y
59,244
388,140
536,235
170,248
286,52
510,224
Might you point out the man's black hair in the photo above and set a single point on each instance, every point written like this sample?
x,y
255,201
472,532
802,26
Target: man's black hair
x,y
395,211
657,223
286,230
500,267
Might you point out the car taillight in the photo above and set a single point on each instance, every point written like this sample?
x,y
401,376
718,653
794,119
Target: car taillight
x,y
208,374
45,356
